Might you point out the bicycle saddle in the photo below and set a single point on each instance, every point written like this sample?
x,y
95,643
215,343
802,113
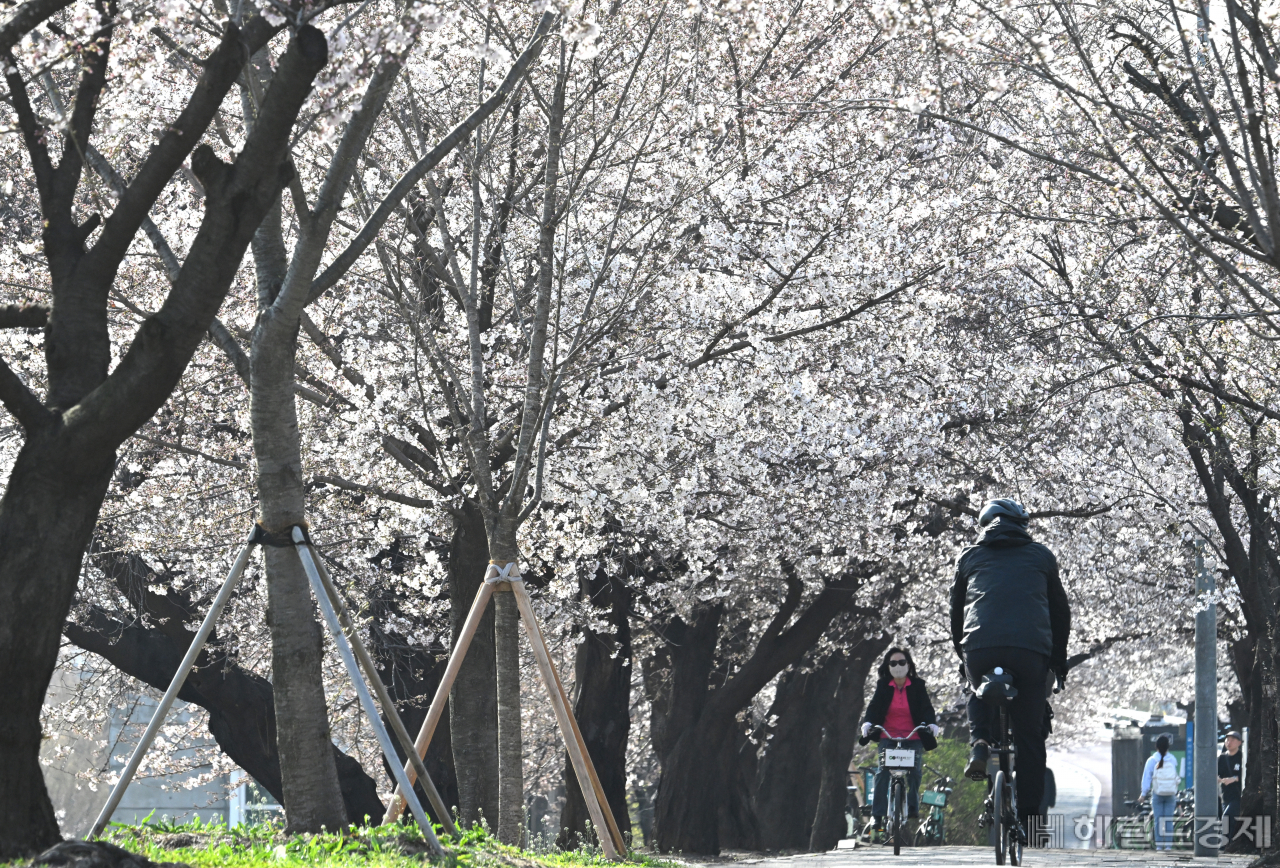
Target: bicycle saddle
x,y
997,687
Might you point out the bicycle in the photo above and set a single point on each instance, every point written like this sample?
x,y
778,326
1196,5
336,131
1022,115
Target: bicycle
x,y
932,831
1000,809
1184,811
1133,832
898,758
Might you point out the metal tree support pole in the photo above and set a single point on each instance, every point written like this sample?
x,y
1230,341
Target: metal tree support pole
x,y
384,697
1206,731
362,689
436,711
179,678
597,807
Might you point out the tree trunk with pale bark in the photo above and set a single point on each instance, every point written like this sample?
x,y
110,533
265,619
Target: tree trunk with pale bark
x,y
309,777
506,636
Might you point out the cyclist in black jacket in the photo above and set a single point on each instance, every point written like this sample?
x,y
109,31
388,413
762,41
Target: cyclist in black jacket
x,y
1008,609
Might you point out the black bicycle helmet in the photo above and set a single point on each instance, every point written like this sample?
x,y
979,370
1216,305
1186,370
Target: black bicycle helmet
x,y
1003,508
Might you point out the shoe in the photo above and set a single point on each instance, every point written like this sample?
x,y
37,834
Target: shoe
x,y
976,770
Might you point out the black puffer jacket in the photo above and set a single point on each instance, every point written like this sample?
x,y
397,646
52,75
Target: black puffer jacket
x,y
1007,592
917,700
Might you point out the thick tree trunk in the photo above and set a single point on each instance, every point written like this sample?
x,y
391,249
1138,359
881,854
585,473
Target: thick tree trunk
x,y
473,701
841,718
739,826
506,634
1268,738
1249,712
691,792
46,521
691,788
791,768
676,686
312,795
602,705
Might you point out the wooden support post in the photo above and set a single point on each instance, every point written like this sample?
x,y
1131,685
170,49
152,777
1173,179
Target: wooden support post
x,y
436,711
415,769
611,840
618,840
597,807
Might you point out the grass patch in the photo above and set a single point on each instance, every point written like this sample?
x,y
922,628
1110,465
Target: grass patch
x,y
964,806
213,845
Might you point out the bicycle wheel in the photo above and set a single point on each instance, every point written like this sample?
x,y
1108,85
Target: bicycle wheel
x,y
898,828
997,815
1014,841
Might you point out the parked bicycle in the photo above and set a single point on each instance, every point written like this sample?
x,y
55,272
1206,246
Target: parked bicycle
x,y
1132,832
932,831
868,832
898,757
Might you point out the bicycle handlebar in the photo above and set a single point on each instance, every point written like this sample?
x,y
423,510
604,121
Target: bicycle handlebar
x,y
901,737
864,740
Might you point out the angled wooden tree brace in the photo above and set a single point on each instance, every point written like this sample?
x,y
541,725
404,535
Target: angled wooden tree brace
x,y
337,619
507,579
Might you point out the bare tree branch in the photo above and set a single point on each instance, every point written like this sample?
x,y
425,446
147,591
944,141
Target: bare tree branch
x,y
374,491
23,316
20,401
387,207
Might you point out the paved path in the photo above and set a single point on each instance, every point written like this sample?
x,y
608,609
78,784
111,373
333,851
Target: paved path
x,y
1078,796
1096,760
943,857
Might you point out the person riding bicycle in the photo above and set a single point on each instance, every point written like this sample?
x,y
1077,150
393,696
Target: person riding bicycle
x,y
1009,610
900,704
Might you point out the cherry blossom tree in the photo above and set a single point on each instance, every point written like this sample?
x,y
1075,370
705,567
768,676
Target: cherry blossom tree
x,y
58,479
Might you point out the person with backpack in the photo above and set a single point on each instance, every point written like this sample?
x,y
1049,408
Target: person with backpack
x,y
1162,779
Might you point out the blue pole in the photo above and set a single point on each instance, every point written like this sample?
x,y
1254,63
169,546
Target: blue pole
x,y
1189,763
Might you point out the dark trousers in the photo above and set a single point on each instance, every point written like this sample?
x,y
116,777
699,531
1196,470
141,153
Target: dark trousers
x,y
1026,716
1231,816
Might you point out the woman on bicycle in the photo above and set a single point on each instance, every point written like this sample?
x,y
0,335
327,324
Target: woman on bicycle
x,y
900,704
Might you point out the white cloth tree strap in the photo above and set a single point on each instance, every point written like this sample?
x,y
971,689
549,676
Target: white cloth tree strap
x,y
508,573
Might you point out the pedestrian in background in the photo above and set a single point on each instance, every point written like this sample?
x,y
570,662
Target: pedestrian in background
x,y
1161,779
1230,772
